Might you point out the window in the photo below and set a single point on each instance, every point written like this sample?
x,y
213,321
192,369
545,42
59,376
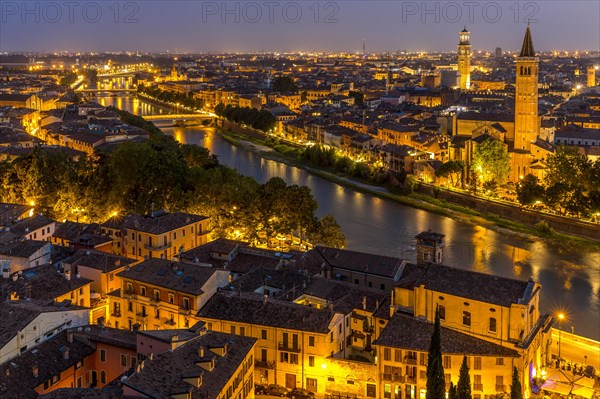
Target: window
x,y
232,329
387,355
263,355
477,363
477,385
242,331
371,390
466,318
129,288
423,374
442,312
171,298
263,334
156,295
186,303
492,324
123,360
103,377
311,361
387,391
311,341
423,359
499,361
143,291
102,355
397,355
447,362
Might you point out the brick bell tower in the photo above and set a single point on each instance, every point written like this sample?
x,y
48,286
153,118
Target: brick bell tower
x,y
464,59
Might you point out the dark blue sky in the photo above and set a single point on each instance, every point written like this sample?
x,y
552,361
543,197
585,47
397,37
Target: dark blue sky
x,y
273,25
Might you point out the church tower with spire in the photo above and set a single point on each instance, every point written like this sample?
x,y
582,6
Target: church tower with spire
x,y
464,59
526,97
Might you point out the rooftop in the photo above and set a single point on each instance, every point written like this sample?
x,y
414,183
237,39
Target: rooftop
x,y
407,332
178,276
165,375
255,309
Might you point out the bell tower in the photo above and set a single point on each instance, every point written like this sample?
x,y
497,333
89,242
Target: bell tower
x,y
526,96
464,59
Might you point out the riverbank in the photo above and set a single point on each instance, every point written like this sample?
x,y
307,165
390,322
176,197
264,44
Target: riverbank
x,y
417,200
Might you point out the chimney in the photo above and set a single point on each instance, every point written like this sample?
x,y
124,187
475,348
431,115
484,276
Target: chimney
x,y
68,275
70,335
35,370
66,353
201,352
364,302
265,298
6,273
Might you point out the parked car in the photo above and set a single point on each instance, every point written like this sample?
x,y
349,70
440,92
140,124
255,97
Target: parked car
x,y
299,393
259,389
276,390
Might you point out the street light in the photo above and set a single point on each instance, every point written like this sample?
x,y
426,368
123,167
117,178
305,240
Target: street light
x,y
561,317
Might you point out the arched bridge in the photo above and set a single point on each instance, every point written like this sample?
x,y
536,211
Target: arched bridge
x,y
172,117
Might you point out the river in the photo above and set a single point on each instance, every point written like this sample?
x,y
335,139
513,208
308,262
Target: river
x,y
570,279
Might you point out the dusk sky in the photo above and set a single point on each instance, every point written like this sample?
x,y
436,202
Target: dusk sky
x,y
194,25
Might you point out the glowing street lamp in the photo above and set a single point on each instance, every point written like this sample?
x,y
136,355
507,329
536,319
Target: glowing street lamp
x,y
561,317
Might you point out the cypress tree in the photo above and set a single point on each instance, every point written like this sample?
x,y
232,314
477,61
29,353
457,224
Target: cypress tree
x,y
452,391
463,389
515,387
436,386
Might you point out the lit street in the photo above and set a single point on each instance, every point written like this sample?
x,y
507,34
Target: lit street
x,y
574,348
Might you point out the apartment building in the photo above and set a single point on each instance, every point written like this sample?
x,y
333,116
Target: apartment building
x,y
160,294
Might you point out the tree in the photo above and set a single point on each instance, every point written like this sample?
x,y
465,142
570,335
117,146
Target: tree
x,y
436,386
529,190
452,391
285,84
451,170
359,97
567,166
515,386
328,232
463,389
491,161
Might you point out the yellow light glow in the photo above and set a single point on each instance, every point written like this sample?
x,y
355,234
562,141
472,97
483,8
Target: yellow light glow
x,y
323,366
561,316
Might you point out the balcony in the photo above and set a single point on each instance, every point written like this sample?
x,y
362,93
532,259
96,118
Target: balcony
x,y
284,346
478,387
410,380
393,377
170,322
141,317
156,247
369,329
264,365
115,314
410,360
500,388
185,312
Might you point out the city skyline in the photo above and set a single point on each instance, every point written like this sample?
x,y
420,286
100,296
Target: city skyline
x,y
340,26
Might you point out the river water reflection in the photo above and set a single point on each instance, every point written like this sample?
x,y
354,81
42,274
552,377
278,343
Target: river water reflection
x,y
571,279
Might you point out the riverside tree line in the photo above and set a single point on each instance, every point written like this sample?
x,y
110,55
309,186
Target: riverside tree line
x,y
160,173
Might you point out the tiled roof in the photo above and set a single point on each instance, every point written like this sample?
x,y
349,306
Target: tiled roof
x,y
255,309
18,380
99,260
164,376
12,320
407,332
112,336
33,223
86,393
178,276
23,249
380,265
43,282
160,224
465,283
